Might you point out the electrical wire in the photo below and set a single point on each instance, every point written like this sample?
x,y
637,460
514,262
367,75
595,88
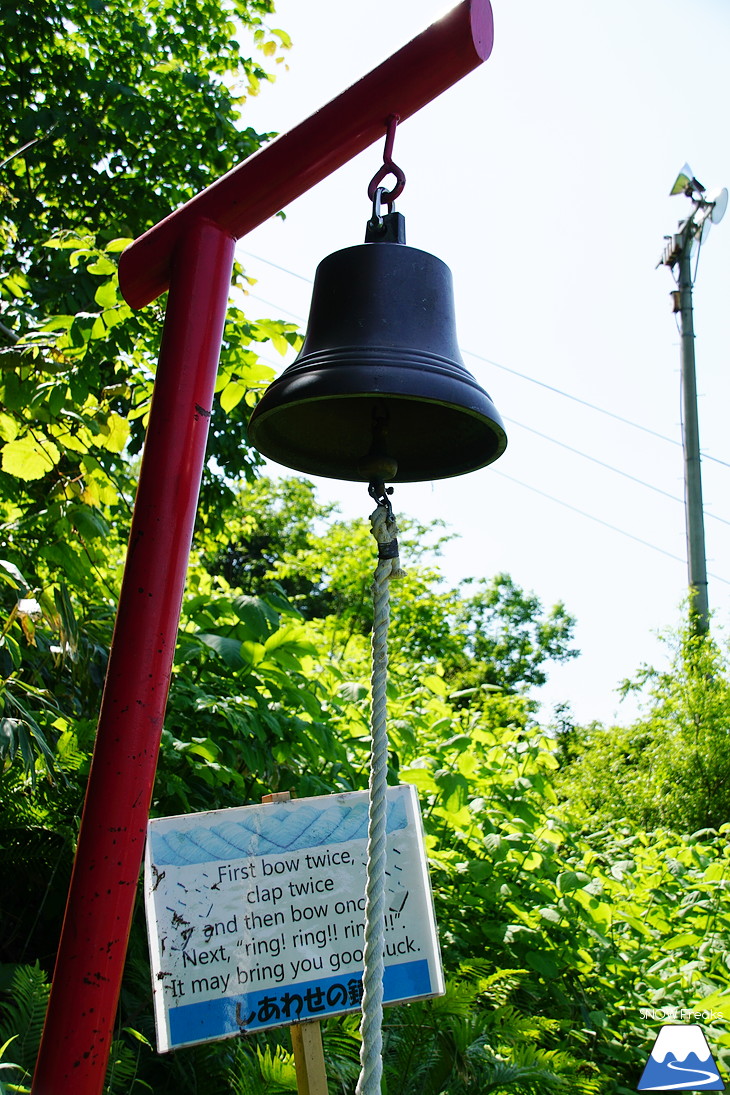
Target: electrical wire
x,y
552,440
507,369
277,307
610,467
583,513
600,521
284,270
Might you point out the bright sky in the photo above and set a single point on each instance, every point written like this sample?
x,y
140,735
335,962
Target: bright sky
x,y
542,179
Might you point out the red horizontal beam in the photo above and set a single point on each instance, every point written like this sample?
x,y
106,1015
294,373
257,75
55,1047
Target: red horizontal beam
x,y
283,170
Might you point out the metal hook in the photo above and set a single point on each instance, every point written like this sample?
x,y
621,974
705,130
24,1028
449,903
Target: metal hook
x,y
388,168
381,494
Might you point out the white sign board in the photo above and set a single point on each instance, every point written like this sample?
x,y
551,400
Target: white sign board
x,y
255,914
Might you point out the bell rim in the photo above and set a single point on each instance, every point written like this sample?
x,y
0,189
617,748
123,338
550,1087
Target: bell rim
x,y
495,418
492,422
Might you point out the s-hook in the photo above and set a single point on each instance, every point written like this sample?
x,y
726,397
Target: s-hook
x,y
388,168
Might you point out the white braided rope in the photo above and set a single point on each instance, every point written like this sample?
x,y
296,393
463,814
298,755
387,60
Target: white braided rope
x,y
384,529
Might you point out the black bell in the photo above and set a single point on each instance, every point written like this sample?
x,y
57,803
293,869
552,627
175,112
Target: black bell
x,y
379,390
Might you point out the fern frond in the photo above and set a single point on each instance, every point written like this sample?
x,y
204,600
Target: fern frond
x,y
121,1075
24,1013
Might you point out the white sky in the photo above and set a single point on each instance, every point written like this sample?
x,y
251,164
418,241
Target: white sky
x,y
542,179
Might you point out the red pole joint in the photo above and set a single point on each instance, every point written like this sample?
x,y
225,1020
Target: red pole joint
x,y
285,169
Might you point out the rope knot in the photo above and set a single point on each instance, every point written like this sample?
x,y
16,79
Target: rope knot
x,y
385,530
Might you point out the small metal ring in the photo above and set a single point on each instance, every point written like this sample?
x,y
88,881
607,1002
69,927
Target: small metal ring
x,y
388,196
377,218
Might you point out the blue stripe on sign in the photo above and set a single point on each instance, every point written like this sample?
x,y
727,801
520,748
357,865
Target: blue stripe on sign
x,y
268,830
282,1005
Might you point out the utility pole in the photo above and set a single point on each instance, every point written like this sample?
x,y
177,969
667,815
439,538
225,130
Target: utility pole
x,y
693,507
708,208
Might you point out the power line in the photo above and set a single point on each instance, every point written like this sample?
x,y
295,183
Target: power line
x,y
600,521
513,372
562,445
277,307
583,513
284,269
552,440
610,467
592,406
574,398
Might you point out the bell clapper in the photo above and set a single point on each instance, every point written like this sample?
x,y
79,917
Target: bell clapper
x,y
378,465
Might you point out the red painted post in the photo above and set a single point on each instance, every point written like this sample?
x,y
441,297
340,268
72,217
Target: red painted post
x,y
91,955
191,253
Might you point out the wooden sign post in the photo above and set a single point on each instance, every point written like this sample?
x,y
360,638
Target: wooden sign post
x,y
306,1038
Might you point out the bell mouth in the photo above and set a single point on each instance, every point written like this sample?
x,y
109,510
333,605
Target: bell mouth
x,y
422,439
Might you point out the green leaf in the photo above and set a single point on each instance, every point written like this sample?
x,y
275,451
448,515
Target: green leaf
x,y
550,914
8,427
10,574
253,653
570,880
107,295
114,433
543,963
119,244
291,638
232,395
88,522
228,649
435,684
260,619
27,458
684,939
102,266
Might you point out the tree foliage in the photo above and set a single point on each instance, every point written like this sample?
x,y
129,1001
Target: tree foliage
x,y
671,767
112,114
562,912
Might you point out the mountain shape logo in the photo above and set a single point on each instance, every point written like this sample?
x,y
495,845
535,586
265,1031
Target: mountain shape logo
x,y
680,1060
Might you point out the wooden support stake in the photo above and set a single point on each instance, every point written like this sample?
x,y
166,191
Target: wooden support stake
x,y
306,1038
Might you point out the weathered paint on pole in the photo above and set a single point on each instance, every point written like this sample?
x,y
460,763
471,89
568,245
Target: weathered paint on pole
x,y
90,960
191,254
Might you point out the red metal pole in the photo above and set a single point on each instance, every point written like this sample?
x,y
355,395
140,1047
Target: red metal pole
x,y
289,166
191,253
93,945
